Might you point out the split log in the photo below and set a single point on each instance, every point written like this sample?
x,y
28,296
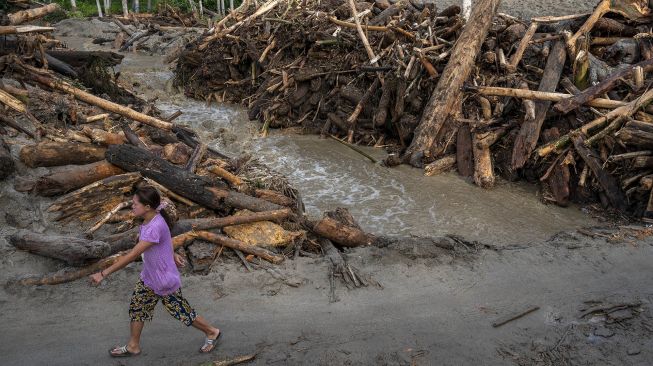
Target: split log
x,y
102,103
567,105
341,228
7,165
196,188
440,166
610,185
31,14
220,222
529,133
96,198
239,245
464,153
71,177
444,99
60,153
11,102
72,250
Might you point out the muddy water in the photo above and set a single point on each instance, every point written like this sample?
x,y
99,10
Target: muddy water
x,y
389,201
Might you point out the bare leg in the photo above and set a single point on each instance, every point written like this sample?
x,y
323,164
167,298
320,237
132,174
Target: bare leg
x,y
210,331
135,329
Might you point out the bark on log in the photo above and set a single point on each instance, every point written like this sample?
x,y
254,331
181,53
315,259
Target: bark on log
x,y
23,16
104,195
444,98
440,166
529,132
72,250
7,165
103,137
543,96
275,197
601,88
220,222
239,245
24,29
60,153
196,188
610,185
341,233
72,177
558,180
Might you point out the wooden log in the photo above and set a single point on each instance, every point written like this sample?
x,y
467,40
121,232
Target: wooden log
x,y
220,222
636,137
464,153
71,177
196,188
621,112
132,137
384,103
643,162
89,233
177,153
11,102
60,153
23,16
102,103
229,177
447,92
542,96
517,56
24,29
610,185
239,245
440,166
103,137
72,250
529,133
275,197
80,59
196,157
567,105
353,117
7,165
342,233
9,121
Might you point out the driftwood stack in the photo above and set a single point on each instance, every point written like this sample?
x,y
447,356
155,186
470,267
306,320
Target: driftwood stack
x,y
559,100
97,151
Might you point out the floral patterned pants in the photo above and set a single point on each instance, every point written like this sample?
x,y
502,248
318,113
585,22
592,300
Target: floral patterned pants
x,y
144,300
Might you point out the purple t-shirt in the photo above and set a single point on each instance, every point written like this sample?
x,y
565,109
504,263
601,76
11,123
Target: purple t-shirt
x,y
159,269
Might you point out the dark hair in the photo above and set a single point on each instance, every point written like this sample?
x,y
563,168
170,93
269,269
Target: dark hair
x,y
150,196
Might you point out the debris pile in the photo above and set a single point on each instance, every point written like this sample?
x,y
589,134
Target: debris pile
x,y
559,100
87,154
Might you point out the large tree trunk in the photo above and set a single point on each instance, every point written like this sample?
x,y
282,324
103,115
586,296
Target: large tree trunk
x,y
31,14
444,98
529,132
212,194
340,227
74,251
220,222
7,165
72,177
60,153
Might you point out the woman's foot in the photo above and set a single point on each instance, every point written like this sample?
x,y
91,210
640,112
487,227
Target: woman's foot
x,y
124,351
211,340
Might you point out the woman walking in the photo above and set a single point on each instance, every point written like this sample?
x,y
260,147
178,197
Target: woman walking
x,y
159,278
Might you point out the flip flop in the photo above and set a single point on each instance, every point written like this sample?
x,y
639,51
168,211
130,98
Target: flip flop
x,y
122,352
210,342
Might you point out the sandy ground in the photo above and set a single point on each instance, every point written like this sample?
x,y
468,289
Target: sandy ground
x,y
433,307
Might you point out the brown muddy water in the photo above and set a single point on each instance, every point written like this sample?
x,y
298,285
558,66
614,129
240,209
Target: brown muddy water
x,y
390,201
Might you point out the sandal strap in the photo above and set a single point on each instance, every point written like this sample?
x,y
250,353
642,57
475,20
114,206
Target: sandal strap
x,y
121,350
209,341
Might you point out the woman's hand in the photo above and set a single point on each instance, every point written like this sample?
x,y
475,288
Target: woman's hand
x,y
96,278
179,260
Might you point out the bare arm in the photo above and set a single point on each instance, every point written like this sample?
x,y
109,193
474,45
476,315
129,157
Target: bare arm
x,y
136,251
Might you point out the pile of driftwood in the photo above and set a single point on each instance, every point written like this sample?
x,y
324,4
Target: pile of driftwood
x,y
560,100
98,151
